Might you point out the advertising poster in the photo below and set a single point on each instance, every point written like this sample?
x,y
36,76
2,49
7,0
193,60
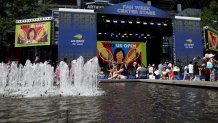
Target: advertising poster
x,y
107,1
32,34
77,35
128,52
94,5
212,40
188,40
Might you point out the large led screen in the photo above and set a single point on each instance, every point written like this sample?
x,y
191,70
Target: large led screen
x,y
128,52
212,40
32,34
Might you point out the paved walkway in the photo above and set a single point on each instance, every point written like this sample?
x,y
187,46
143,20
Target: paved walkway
x,y
171,82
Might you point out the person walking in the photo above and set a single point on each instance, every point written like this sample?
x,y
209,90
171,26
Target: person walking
x,y
190,69
196,72
160,69
37,59
185,73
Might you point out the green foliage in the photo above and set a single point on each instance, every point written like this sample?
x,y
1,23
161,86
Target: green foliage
x,y
210,15
12,10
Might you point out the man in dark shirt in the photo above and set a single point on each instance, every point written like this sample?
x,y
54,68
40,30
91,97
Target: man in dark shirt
x,y
142,72
132,70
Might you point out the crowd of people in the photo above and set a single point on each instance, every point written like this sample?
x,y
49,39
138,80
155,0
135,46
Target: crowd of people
x,y
124,71
196,70
205,69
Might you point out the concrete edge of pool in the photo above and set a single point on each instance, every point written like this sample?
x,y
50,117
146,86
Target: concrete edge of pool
x,y
210,84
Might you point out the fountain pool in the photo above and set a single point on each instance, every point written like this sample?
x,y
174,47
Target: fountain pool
x,y
85,100
121,102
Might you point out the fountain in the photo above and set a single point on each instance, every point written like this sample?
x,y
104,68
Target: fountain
x,y
146,101
34,80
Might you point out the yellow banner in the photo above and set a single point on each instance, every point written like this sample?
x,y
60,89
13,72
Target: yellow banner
x,y
32,34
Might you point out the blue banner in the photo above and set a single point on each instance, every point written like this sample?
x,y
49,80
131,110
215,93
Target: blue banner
x,y
134,8
77,35
188,40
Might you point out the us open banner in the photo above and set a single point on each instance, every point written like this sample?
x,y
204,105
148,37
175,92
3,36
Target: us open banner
x,y
128,52
212,40
77,35
32,34
188,40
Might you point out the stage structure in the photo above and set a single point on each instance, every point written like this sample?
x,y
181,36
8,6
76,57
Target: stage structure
x,y
128,32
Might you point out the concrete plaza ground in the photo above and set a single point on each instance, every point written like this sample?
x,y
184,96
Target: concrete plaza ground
x,y
209,84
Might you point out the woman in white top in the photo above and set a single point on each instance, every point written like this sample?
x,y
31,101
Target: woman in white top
x,y
190,69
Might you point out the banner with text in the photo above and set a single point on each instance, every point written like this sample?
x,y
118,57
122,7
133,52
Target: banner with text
x,y
94,5
77,35
128,52
134,8
187,39
32,34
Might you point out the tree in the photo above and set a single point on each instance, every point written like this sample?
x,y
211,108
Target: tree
x,y
209,15
12,10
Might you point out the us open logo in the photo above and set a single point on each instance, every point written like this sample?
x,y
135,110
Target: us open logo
x,y
78,40
188,43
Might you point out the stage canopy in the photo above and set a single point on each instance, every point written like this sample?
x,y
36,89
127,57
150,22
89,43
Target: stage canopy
x,y
134,8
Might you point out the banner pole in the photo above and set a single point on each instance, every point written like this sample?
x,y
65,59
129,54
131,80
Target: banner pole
x,y
36,52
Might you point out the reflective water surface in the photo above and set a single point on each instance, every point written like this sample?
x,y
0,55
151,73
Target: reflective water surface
x,y
121,102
